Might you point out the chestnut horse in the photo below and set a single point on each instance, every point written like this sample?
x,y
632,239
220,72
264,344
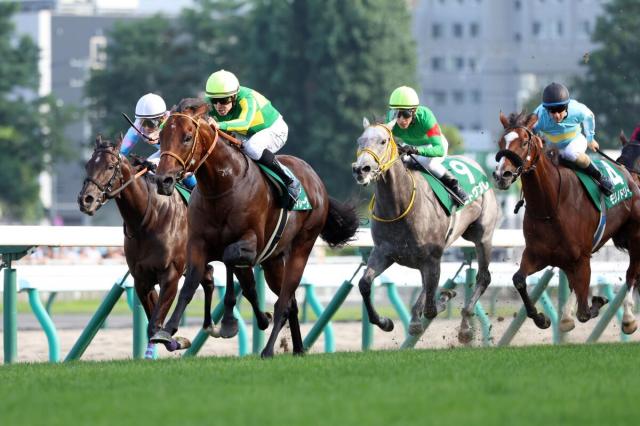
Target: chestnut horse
x,y
155,229
233,214
560,221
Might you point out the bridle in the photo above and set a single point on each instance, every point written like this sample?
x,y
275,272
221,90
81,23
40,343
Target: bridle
x,y
105,191
190,161
521,164
384,163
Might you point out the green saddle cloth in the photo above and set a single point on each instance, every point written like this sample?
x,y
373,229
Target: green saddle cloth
x,y
621,189
470,177
303,200
184,192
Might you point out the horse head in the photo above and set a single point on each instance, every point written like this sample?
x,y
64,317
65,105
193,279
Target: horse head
x,y
630,155
377,151
185,142
103,170
520,148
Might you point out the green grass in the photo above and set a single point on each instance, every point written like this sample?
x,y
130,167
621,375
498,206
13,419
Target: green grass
x,y
541,385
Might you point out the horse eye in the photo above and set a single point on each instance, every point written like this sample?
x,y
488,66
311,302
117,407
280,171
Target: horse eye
x,y
384,141
111,166
187,138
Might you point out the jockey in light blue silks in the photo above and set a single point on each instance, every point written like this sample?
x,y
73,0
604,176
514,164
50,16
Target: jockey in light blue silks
x,y
151,114
569,125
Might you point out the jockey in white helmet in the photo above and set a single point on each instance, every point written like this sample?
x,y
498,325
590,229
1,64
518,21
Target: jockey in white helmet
x,y
151,114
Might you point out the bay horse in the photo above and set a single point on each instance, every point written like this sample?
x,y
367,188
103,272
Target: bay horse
x,y
233,215
560,221
411,229
155,230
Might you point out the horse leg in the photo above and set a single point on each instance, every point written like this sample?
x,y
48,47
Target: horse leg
x,y
579,276
208,287
294,324
149,300
483,279
248,283
229,323
426,304
528,266
377,264
168,289
629,324
567,321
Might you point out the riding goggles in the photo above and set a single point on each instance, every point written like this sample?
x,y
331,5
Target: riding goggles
x,y
151,123
556,108
404,113
222,101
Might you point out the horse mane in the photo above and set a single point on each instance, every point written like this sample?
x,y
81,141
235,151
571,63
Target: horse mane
x,y
105,143
517,119
190,104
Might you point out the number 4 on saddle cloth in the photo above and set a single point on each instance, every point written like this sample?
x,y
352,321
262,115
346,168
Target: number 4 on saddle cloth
x,y
470,176
277,184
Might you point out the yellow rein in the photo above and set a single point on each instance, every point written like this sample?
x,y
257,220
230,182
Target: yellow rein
x,y
384,164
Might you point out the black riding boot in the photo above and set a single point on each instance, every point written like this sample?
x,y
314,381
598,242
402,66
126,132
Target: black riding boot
x,y
293,186
603,181
452,183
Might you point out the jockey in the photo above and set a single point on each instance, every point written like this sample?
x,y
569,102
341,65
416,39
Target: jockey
x,y
249,114
418,128
559,122
151,114
635,136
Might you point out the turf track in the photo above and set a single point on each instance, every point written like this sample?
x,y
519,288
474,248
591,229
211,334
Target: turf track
x,y
542,385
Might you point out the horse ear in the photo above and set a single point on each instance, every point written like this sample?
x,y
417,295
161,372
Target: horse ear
x,y
623,138
98,140
531,121
365,122
390,124
202,109
504,120
119,139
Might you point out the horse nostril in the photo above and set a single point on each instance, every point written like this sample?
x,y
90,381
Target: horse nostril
x,y
167,180
88,199
366,169
507,174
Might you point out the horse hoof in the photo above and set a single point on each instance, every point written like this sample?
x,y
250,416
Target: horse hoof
x,y
629,327
446,295
465,336
263,323
266,354
161,336
599,301
183,342
385,324
542,321
229,329
430,312
415,329
566,325
212,331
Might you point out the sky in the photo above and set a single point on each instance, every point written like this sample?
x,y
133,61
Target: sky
x,y
164,6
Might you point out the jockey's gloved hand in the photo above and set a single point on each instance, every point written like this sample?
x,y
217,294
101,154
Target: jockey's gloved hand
x,y
138,161
407,149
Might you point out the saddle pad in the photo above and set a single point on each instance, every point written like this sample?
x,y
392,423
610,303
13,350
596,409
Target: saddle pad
x,y
621,189
184,193
303,201
470,176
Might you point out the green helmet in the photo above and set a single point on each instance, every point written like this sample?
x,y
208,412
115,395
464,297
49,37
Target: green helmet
x,y
404,97
222,84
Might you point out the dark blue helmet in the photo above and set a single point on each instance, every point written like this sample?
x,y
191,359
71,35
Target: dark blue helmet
x,y
555,94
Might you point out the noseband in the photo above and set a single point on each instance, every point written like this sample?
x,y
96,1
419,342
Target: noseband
x,y
189,161
518,161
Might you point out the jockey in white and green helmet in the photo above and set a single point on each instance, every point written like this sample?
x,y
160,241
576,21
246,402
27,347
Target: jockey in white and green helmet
x,y
418,128
252,117
151,114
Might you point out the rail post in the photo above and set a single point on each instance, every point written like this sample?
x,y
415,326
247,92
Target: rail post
x,y
563,296
258,335
316,307
45,322
608,314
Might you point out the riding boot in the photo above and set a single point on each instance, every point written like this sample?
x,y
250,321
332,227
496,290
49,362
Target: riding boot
x,y
452,183
293,186
603,181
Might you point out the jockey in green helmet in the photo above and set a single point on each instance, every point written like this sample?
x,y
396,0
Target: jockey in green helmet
x,y
418,128
252,117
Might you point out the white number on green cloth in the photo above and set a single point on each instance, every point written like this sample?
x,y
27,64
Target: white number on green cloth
x,y
462,169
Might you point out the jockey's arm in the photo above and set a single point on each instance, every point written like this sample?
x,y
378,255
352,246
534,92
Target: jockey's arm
x,y
433,133
130,139
248,107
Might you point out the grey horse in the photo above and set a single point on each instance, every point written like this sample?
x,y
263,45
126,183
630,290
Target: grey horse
x,y
411,228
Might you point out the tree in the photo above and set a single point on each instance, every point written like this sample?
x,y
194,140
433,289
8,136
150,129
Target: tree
x,y
611,85
172,58
31,133
456,142
325,65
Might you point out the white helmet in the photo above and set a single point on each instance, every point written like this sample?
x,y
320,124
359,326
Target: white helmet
x,y
150,106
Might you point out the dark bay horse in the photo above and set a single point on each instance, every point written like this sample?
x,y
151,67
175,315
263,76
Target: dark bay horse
x,y
411,229
155,229
232,218
560,221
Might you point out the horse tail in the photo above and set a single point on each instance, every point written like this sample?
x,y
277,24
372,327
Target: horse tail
x,y
621,241
342,223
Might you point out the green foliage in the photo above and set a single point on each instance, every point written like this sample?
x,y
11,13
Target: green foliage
x,y
172,58
456,142
325,65
567,385
31,133
611,85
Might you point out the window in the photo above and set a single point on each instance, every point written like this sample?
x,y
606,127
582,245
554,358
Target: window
x,y
517,37
536,28
476,96
474,29
458,96
439,97
517,4
458,63
436,30
476,126
457,30
472,64
585,27
437,63
560,28
97,52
